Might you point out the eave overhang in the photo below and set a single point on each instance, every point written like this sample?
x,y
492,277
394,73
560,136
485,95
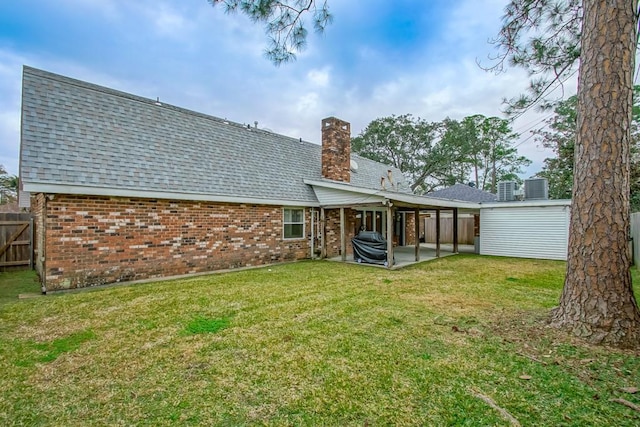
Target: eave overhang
x,y
343,195
49,188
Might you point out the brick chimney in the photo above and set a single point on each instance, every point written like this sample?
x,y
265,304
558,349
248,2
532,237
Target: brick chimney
x,y
336,149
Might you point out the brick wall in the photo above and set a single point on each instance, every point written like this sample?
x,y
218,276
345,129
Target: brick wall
x,y
336,149
93,240
410,231
332,230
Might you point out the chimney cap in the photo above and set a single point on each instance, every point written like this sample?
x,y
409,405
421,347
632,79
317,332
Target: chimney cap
x,y
334,121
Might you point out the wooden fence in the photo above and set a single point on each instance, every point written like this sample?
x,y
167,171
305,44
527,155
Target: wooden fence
x,y
16,241
465,230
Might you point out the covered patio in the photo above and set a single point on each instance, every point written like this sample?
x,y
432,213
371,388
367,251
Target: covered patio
x,y
386,212
405,255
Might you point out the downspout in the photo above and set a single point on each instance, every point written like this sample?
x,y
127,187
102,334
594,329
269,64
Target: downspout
x,y
343,239
455,230
437,232
312,225
323,247
389,233
416,230
42,250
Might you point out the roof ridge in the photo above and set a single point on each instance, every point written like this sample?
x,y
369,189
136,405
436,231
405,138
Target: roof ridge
x,y
147,101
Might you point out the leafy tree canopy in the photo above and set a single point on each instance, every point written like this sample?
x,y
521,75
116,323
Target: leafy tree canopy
x,y
491,152
8,186
434,155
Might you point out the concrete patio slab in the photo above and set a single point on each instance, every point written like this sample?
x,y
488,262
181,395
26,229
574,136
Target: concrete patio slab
x,y
405,255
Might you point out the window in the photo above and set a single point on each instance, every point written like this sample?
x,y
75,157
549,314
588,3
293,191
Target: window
x,y
293,223
371,220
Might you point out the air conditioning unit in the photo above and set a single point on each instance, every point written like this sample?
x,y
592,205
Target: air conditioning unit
x,y
507,191
536,189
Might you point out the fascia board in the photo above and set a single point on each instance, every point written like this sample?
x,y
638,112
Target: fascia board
x,y
35,187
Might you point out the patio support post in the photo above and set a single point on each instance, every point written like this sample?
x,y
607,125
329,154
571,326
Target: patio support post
x,y
455,230
437,233
389,234
416,213
323,241
343,237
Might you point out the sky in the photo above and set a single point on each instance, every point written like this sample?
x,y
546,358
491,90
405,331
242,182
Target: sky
x,y
377,58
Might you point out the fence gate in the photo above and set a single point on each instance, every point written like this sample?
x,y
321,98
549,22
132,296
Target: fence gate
x,y
16,241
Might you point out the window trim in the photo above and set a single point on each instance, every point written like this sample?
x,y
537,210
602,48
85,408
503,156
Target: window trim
x,y
373,211
284,223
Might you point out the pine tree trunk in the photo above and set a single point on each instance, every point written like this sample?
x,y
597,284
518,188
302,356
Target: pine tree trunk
x,y
597,302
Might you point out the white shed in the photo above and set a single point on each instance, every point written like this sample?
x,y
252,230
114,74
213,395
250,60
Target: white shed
x,y
527,229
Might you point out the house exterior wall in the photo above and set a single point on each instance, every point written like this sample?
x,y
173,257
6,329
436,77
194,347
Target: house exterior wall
x,y
38,209
332,230
526,232
97,240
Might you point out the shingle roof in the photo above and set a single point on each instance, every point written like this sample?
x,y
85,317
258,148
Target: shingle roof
x,y
464,193
77,133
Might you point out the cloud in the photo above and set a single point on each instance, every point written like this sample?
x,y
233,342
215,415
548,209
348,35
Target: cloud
x,y
168,22
319,77
10,77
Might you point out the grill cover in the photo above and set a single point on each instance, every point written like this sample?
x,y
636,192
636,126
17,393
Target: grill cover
x,y
370,247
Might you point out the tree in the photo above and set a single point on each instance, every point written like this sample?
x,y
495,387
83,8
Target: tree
x,y
546,38
283,22
8,186
453,134
411,144
560,136
491,153
543,37
440,154
597,301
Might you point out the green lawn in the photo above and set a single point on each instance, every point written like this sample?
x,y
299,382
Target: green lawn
x,y
311,343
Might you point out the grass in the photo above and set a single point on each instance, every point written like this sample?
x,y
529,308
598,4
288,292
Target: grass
x,y
19,282
312,343
202,325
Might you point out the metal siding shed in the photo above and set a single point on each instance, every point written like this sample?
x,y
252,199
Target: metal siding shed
x,y
525,230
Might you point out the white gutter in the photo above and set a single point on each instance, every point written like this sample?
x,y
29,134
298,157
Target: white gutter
x,y
35,187
526,203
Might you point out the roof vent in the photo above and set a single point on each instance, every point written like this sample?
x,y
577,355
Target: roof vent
x,y
507,191
536,189
353,165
